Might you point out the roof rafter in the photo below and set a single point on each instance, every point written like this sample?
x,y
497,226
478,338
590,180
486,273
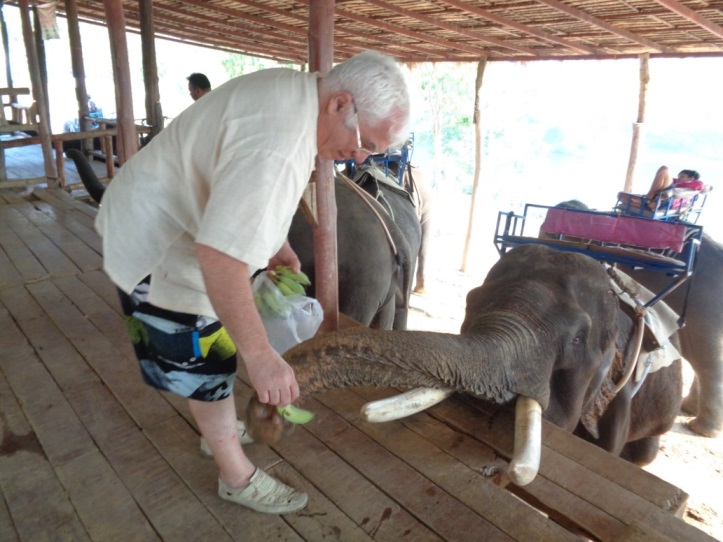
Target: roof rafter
x,y
687,13
586,17
455,28
521,27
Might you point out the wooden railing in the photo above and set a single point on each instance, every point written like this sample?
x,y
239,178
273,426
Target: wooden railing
x,y
104,134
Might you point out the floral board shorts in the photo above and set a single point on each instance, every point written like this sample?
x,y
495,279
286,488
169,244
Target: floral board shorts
x,y
189,355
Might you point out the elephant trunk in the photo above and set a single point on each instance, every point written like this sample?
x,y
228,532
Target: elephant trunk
x,y
480,365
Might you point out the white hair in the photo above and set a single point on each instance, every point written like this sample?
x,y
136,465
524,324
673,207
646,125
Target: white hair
x,y
378,86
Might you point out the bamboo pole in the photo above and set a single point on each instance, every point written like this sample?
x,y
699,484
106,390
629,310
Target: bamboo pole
x,y
38,96
154,112
126,140
321,58
477,159
76,60
637,127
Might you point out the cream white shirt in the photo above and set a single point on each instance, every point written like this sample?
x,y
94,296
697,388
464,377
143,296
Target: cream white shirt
x,y
228,172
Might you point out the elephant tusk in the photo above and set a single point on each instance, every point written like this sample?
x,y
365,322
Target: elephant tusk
x,y
403,405
528,441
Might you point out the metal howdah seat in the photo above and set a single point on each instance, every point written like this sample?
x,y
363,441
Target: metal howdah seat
x,y
609,237
671,205
392,161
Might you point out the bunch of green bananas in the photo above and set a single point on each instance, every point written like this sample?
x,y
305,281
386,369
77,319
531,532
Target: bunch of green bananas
x,y
269,306
288,282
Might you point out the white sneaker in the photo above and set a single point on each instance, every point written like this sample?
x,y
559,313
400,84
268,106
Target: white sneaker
x,y
265,494
243,438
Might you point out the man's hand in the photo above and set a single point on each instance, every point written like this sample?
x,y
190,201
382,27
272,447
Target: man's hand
x,y
286,256
273,379
229,288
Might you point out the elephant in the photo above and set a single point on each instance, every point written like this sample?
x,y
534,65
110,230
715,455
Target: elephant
x,y
378,238
544,327
88,177
702,335
420,187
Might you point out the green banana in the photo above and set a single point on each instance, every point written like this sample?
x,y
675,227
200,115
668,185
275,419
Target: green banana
x,y
299,277
294,286
295,414
273,304
283,288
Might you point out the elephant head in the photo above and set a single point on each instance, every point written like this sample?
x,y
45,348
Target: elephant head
x,y
542,326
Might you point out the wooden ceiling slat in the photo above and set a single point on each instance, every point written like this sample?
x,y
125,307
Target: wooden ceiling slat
x,y
435,22
521,27
440,30
692,16
578,14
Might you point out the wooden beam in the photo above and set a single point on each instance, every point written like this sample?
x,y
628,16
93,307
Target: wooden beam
x,y
477,158
637,126
505,22
38,96
454,28
78,66
586,17
697,18
326,269
126,140
154,111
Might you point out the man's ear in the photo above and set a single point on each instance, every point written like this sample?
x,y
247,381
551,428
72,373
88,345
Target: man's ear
x,y
340,101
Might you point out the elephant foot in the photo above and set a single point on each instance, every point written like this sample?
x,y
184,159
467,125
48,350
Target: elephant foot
x,y
706,428
419,290
690,404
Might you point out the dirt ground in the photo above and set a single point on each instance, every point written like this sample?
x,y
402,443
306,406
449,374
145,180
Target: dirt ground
x,y
693,463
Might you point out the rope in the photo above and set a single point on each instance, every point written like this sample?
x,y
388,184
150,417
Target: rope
x,y
366,198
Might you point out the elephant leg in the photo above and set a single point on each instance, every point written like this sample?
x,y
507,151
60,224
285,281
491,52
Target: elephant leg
x,y
705,399
709,421
690,403
642,451
422,256
384,318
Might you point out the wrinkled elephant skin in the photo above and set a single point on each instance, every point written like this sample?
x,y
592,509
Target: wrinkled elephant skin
x,y
701,338
544,325
374,283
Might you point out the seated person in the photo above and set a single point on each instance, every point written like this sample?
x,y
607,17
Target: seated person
x,y
687,178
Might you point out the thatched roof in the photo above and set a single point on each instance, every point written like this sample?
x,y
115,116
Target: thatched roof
x,y
449,30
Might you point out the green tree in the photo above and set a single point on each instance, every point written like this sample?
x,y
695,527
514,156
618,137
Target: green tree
x,y
236,64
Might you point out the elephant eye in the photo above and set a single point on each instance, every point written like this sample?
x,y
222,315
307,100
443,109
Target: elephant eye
x,y
579,339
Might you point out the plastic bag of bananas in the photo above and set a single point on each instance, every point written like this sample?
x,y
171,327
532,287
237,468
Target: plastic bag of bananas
x,y
288,316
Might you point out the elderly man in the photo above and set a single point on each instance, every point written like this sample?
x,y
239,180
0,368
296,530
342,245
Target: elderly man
x,y
208,202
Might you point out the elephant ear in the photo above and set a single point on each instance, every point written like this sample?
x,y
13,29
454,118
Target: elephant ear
x,y
599,403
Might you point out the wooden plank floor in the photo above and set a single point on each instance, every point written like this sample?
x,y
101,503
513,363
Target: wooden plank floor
x,y
89,452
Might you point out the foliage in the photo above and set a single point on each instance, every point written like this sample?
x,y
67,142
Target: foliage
x,y
236,65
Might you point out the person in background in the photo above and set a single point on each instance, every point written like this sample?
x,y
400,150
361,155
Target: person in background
x,y
198,85
687,178
192,216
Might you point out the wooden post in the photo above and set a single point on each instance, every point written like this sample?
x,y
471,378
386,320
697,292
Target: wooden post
x,y
154,112
477,159
126,140
644,80
42,59
60,163
38,96
76,59
6,49
321,58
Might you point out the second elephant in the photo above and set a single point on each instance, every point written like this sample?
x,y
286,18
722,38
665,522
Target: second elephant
x,y
378,239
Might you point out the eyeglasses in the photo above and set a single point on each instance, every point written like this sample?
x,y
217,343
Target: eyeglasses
x,y
360,147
